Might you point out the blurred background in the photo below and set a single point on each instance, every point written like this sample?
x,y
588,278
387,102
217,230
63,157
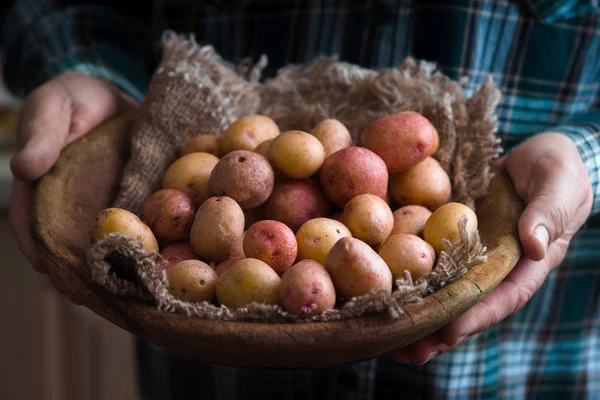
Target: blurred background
x,y
50,349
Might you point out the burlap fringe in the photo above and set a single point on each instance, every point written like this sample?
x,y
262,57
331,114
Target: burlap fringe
x,y
194,87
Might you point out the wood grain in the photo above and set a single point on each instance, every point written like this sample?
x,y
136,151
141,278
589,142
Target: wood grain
x,y
85,181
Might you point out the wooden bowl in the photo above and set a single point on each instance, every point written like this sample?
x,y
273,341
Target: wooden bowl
x,y
86,179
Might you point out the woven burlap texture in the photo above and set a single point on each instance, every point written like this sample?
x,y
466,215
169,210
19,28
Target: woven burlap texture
x,y
193,87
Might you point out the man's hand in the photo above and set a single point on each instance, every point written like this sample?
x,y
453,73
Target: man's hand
x,y
548,173
52,116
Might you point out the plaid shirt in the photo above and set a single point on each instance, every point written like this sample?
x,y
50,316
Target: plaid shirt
x,y
545,57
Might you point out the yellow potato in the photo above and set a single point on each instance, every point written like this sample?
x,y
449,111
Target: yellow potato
x,y
248,281
118,220
191,175
297,154
317,236
406,252
369,218
443,224
263,148
426,184
357,269
410,219
333,135
225,265
206,143
307,289
218,229
247,132
192,280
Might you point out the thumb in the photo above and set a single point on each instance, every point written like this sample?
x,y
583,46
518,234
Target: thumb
x,y
552,201
43,127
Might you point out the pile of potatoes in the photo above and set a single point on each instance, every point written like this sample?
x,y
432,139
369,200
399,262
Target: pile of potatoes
x,y
303,220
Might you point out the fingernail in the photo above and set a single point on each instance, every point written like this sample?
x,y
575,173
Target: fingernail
x,y
432,355
541,234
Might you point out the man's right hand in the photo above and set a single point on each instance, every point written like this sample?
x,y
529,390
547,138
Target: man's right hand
x,y
54,115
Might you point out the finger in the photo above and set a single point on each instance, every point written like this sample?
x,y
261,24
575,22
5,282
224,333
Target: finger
x,y
19,206
552,201
426,349
507,298
42,131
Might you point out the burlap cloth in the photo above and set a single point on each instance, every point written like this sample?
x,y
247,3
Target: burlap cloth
x,y
194,87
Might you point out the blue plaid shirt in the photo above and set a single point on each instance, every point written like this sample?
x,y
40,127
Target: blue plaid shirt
x,y
543,54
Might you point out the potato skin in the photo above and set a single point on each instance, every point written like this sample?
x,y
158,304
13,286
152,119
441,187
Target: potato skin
x,y
317,236
263,148
247,133
357,269
192,280
297,154
245,176
225,265
353,171
402,140
410,219
218,229
369,218
178,251
191,174
443,224
118,220
307,289
247,281
273,243
296,201
204,143
333,135
170,214
426,184
406,252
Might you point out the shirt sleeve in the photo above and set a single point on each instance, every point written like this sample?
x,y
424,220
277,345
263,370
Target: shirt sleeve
x,y
41,39
584,129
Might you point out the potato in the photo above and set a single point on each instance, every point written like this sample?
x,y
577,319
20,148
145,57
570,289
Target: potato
x,y
297,154
426,184
406,252
191,174
245,176
170,214
225,265
263,148
443,224
402,140
218,229
317,236
118,220
176,252
353,171
436,142
248,281
357,269
307,289
192,280
205,143
247,133
369,218
333,135
272,242
294,202
410,219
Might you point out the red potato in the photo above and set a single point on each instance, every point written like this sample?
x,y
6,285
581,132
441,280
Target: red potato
x,y
410,219
402,140
307,289
294,202
406,252
357,269
272,242
178,251
353,171
170,214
